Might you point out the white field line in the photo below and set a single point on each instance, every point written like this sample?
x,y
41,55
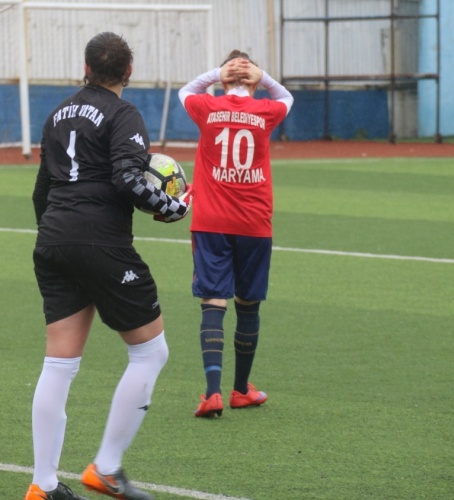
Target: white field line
x,y
197,494
284,249
146,486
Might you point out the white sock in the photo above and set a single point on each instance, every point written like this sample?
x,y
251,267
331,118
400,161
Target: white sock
x,y
49,418
130,402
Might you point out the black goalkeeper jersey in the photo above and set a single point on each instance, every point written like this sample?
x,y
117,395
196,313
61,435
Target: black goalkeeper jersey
x,y
93,152
91,142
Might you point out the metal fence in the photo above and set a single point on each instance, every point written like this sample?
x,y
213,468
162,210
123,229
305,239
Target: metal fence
x,y
320,45
354,44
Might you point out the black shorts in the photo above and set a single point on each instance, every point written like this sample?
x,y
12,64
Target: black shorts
x,y
115,280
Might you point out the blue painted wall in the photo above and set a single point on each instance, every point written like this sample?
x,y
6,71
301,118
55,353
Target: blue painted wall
x,y
353,114
10,130
427,64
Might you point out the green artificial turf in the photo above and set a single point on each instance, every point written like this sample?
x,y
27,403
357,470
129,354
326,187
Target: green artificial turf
x,y
356,347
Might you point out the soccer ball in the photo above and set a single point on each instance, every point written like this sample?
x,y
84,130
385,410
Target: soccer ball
x,y
165,173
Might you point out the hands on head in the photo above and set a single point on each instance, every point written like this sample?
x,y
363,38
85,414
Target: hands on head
x,y
242,71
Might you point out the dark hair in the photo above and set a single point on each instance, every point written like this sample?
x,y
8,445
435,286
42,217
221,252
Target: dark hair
x,y
108,58
235,54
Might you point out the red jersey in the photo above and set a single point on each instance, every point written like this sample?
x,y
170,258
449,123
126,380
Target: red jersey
x,y
232,176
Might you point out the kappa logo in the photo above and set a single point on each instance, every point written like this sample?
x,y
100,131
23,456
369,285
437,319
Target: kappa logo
x,y
138,138
117,489
129,276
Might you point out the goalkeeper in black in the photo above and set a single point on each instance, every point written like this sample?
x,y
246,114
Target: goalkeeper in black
x,y
93,152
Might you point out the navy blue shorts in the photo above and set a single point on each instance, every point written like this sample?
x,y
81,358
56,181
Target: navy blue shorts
x,y
115,280
226,265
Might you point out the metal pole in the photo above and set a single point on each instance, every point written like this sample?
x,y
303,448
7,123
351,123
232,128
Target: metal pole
x,y
24,93
272,40
281,61
326,134
210,48
281,44
392,135
36,4
438,137
165,112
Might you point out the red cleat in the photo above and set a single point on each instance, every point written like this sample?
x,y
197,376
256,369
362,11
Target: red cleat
x,y
252,398
210,407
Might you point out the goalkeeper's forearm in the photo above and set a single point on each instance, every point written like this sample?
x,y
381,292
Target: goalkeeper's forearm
x,y
146,195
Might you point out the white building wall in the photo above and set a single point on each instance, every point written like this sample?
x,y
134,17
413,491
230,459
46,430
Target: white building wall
x,y
174,46
167,45
355,47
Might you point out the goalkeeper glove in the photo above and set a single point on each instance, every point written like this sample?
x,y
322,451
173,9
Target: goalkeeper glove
x,y
186,198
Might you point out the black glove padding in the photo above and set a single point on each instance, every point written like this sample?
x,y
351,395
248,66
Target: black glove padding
x,y
186,197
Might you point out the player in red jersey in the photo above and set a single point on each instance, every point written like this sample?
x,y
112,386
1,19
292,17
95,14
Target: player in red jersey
x,y
232,238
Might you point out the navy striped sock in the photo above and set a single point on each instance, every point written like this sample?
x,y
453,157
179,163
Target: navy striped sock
x,y
246,339
212,345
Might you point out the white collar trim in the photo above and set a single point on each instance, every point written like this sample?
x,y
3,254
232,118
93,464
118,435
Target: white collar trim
x,y
239,91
